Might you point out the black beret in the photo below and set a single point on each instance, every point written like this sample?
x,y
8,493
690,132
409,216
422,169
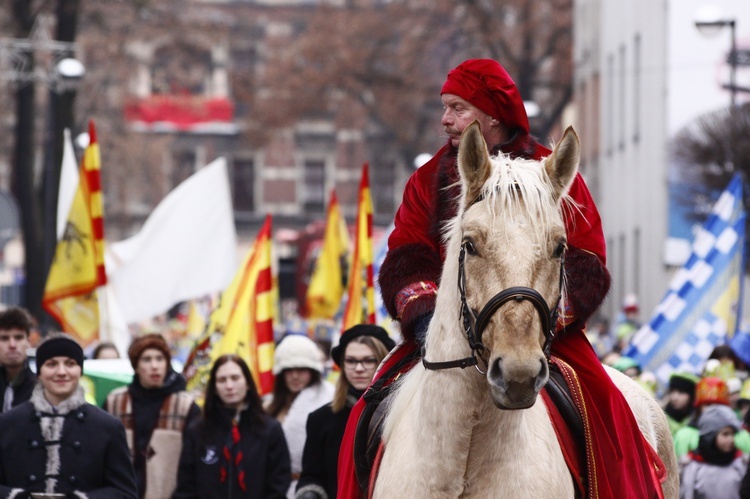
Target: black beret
x,y
377,332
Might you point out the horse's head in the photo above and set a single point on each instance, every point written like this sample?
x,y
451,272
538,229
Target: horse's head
x,y
513,236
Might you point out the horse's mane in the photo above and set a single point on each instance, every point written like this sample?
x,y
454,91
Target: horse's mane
x,y
519,189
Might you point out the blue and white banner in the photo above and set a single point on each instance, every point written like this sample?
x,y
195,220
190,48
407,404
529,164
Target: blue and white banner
x,y
702,305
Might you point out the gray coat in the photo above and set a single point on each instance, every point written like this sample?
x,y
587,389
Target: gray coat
x,y
702,480
79,449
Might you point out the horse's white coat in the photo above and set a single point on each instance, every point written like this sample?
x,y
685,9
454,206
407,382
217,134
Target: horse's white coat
x,y
444,437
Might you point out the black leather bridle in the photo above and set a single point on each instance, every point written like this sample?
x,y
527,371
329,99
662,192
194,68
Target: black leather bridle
x,y
475,324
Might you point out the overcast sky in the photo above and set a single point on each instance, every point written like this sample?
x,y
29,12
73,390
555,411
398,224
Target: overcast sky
x,y
697,63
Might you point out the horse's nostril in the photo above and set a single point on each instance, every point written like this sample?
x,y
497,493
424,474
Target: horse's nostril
x,y
496,371
541,380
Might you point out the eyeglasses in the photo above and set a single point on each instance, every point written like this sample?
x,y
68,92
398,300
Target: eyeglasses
x,y
369,363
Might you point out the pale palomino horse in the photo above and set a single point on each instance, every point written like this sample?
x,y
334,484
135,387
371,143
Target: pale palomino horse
x,y
447,432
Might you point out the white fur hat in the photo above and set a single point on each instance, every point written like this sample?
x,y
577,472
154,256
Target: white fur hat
x,y
297,351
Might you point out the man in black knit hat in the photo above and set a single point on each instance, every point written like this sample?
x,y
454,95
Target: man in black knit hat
x,y
56,443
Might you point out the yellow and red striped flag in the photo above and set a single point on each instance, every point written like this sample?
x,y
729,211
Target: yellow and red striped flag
x,y
361,306
328,280
78,265
242,324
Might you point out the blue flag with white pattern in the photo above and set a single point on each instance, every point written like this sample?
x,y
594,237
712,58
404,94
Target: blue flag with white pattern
x,y
702,305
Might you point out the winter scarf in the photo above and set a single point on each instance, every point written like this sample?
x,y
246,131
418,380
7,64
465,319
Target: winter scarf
x,y
51,422
146,406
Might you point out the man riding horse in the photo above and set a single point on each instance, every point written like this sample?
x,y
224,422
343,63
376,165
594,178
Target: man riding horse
x,y
481,89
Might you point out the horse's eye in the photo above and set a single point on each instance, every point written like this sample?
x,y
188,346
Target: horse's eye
x,y
560,249
470,249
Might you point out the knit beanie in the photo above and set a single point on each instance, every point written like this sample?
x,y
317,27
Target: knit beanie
x,y
485,84
145,342
58,345
297,351
715,418
377,332
683,382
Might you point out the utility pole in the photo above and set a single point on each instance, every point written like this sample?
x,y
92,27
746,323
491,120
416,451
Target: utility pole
x,y
30,58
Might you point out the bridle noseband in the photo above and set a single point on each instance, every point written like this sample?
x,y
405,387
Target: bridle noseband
x,y
474,324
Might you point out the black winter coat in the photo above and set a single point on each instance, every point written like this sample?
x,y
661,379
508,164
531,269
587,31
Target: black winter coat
x,y
92,457
265,461
22,388
325,430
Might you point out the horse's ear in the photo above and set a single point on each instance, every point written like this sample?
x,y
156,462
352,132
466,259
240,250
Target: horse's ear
x,y
473,162
562,164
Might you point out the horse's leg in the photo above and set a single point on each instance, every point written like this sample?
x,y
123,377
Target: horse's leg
x,y
654,426
429,425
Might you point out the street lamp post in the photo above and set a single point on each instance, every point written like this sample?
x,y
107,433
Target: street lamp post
x,y
711,27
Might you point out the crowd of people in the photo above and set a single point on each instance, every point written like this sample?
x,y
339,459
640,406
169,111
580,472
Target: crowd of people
x,y
708,414
151,440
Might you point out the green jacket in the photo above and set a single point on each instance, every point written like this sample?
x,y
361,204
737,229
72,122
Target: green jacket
x,y
675,425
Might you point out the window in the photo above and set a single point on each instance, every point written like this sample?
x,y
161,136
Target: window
x,y
621,101
610,111
243,184
382,176
314,194
636,87
183,165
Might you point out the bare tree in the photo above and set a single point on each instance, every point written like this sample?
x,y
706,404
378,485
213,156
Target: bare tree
x,y
384,61
706,154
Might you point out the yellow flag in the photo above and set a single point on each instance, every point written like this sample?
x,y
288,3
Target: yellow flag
x,y
78,265
360,308
328,281
196,324
242,324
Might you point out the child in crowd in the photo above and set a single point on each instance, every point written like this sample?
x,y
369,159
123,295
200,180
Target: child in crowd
x,y
716,468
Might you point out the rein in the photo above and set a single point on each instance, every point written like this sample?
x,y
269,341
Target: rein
x,y
474,325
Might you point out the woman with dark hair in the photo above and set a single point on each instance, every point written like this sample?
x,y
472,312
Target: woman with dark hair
x,y
298,390
358,354
235,450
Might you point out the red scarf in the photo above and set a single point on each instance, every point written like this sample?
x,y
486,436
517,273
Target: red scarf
x,y
227,453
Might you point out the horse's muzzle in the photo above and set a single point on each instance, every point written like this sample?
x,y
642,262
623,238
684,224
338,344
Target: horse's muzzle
x,y
515,385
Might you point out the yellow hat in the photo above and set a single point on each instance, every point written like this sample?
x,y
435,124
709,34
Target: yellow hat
x,y
745,391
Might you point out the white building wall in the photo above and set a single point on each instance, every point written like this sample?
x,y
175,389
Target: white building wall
x,y
625,47
641,106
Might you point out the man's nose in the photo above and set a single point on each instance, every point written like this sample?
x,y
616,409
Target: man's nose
x,y
445,119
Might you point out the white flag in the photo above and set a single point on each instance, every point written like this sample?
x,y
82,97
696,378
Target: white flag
x,y
68,184
186,249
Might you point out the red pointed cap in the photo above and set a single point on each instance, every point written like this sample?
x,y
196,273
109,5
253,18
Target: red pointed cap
x,y
486,85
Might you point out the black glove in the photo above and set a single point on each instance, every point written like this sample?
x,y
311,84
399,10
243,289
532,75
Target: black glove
x,y
420,327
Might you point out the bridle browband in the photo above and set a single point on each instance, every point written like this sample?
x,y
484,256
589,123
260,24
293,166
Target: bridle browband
x,y
474,324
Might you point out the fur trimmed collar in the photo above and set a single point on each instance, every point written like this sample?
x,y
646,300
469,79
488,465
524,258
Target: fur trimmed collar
x,y
68,405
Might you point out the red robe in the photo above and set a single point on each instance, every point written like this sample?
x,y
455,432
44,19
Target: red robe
x,y
623,466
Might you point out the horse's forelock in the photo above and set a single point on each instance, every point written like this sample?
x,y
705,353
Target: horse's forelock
x,y
521,187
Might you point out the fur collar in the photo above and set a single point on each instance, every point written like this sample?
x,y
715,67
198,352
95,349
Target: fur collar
x,y
68,405
51,423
